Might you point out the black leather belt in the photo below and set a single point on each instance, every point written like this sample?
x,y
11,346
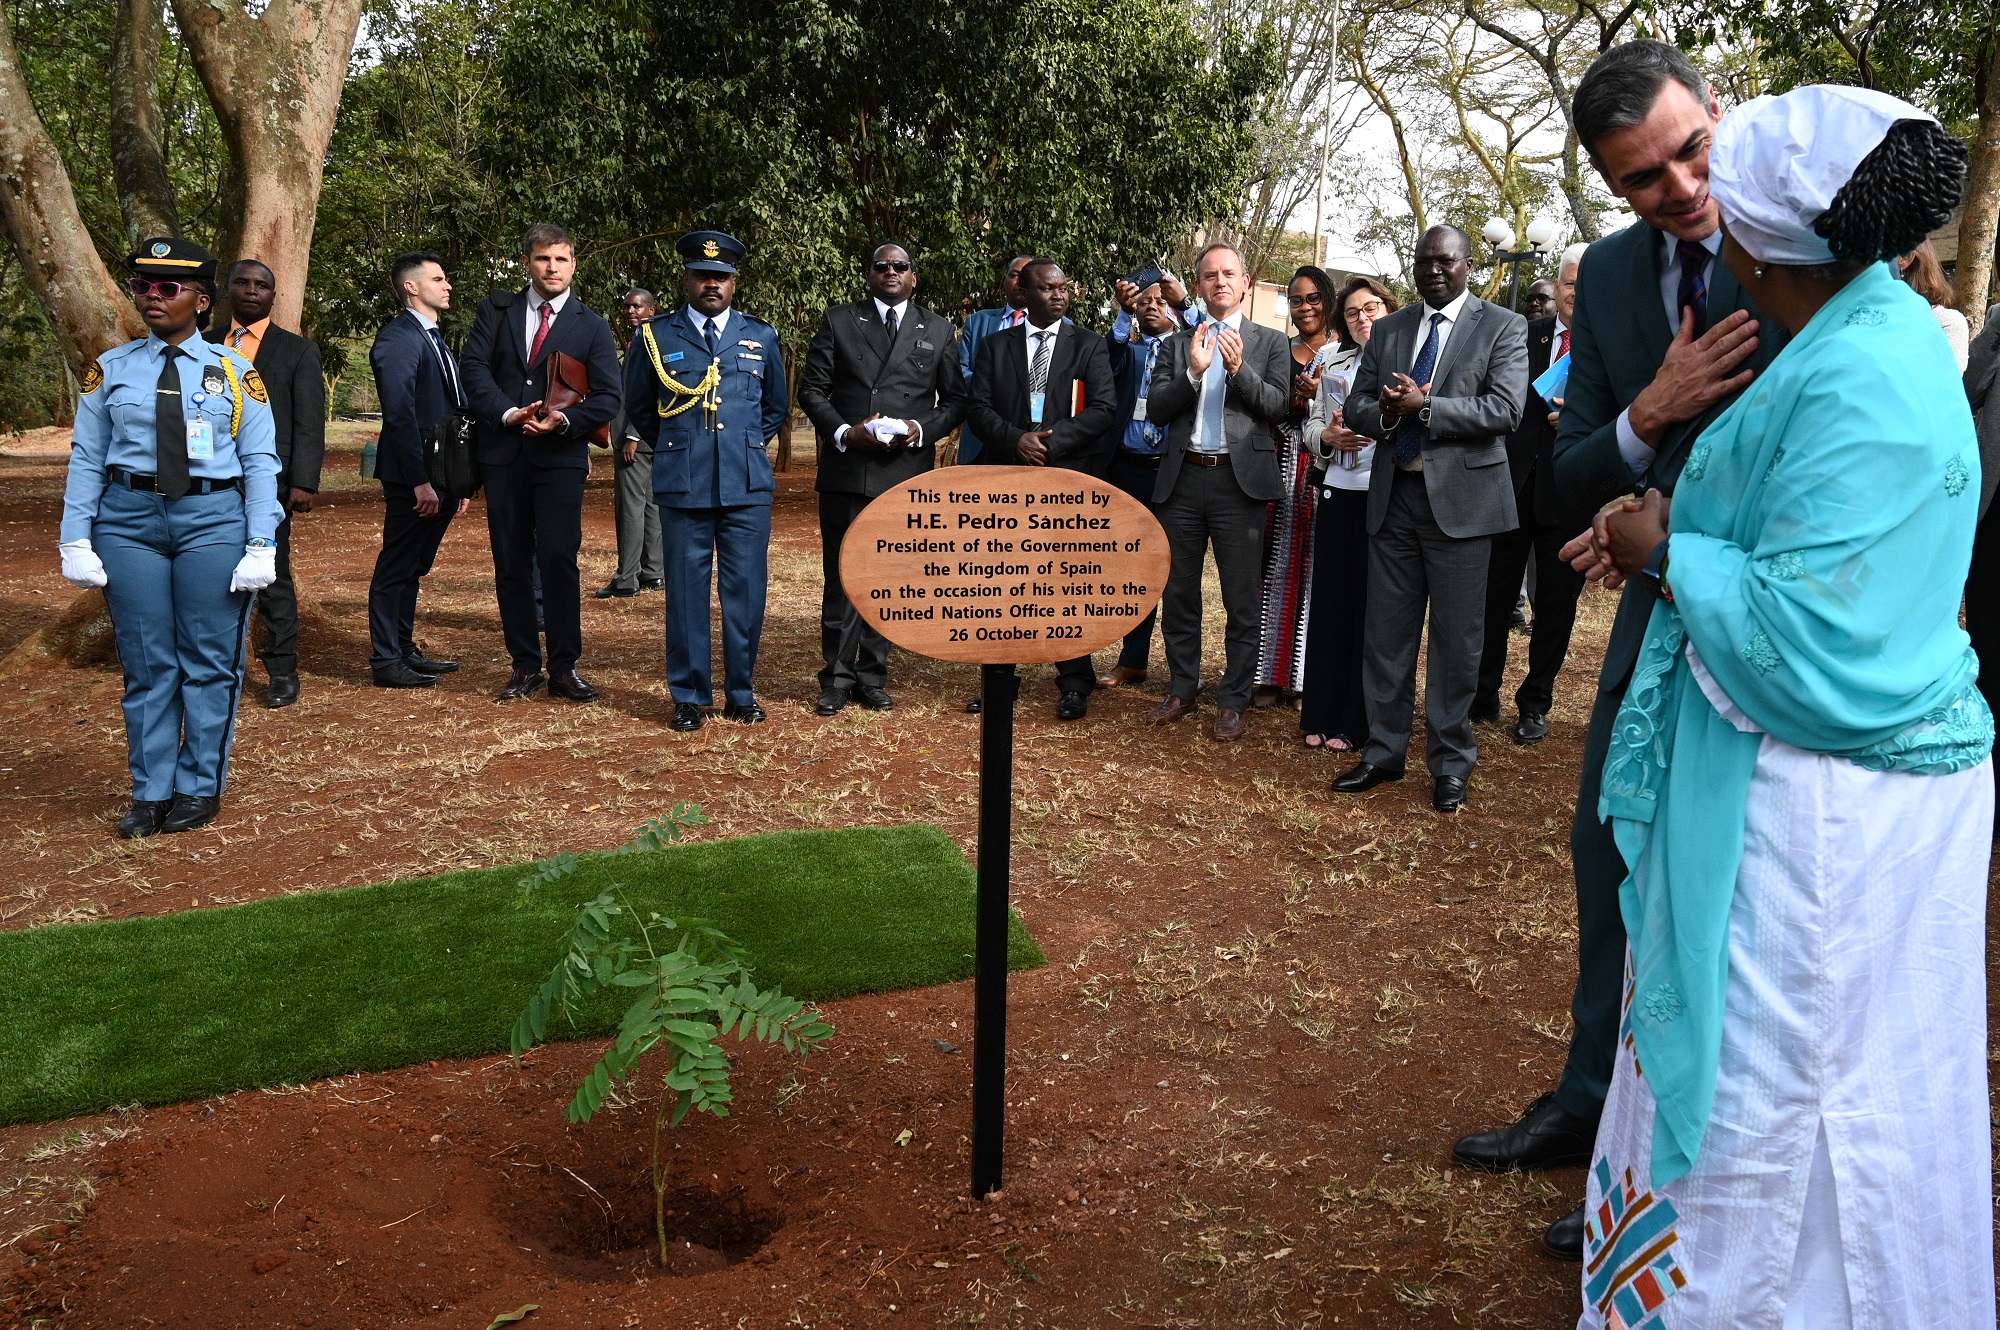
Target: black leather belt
x,y
151,484
1205,459
1150,461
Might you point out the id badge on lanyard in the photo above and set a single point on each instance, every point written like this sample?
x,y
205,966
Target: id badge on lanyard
x,y
1037,402
200,433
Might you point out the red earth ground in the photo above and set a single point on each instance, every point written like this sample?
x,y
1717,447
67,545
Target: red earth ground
x,y
1268,1010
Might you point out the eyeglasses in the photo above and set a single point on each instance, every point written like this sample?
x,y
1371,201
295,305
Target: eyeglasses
x,y
1373,309
1310,298
892,265
139,286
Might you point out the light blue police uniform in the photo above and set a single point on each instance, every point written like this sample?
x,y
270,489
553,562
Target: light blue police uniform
x,y
181,631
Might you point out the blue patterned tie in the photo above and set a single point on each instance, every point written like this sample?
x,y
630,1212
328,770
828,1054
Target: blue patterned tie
x,y
1214,392
1693,293
1410,434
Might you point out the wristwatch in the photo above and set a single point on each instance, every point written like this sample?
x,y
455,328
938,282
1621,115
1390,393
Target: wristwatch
x,y
257,543
1656,568
1424,415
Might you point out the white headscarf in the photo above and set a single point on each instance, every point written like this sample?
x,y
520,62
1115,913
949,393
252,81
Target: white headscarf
x,y
1778,162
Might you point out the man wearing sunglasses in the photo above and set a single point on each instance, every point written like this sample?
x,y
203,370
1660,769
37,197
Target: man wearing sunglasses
x,y
881,386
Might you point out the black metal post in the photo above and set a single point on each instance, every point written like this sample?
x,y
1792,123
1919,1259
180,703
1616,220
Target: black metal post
x,y
999,684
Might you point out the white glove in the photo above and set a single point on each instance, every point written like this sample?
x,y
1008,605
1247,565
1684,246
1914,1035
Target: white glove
x,y
80,564
886,429
258,569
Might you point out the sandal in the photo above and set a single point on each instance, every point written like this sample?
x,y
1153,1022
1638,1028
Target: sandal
x,y
1339,744
1315,741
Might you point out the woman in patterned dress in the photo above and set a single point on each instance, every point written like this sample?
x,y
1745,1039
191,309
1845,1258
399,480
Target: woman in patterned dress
x,y
1797,1132
1288,523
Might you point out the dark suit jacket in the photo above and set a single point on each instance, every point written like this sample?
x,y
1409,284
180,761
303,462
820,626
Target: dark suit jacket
x,y
411,387
1531,453
289,366
1128,369
499,378
1982,390
1000,408
852,372
1617,342
694,465
1259,395
1477,392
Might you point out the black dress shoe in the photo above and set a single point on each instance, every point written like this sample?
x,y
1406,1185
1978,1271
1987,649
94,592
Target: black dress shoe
x,y
1547,1136
687,716
400,675
1564,1239
190,811
1364,777
284,691
1448,793
832,701
1073,705
423,664
975,706
748,714
143,818
872,698
652,584
611,591
522,683
1531,728
570,686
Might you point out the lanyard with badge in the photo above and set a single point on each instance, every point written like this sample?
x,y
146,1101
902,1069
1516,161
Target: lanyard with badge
x,y
200,429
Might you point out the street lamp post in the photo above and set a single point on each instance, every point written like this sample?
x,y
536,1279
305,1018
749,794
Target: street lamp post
x,y
1501,236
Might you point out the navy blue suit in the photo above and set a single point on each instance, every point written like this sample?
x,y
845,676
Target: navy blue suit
x,y
712,481
534,485
412,385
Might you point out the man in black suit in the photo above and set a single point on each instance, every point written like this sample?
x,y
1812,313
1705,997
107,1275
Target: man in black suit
x,y
1043,395
881,387
1547,521
1217,389
534,461
289,366
1662,341
418,384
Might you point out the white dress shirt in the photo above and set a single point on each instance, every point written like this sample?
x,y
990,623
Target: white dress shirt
x,y
882,316
701,322
1639,454
1452,312
535,303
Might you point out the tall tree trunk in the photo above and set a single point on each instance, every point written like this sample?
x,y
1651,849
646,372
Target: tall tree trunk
x,y
275,81
138,152
1979,219
38,209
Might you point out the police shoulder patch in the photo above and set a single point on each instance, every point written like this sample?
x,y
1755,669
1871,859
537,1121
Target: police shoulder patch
x,y
253,384
93,378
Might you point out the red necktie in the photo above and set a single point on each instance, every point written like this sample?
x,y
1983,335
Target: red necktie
x,y
1562,344
541,333
1014,319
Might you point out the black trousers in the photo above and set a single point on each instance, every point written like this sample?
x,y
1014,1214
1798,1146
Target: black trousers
x,y
1600,929
409,548
1332,702
855,652
1136,475
278,607
534,517
1557,585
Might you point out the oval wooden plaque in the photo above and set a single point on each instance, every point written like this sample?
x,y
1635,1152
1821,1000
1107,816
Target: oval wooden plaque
x,y
996,565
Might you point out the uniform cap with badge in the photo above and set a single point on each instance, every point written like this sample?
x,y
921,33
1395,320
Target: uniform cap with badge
x,y
169,258
710,251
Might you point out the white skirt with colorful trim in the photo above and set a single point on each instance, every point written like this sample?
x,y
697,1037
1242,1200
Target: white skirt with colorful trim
x,y
1846,1179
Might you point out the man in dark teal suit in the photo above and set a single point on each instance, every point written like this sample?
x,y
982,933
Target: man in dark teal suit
x,y
1662,342
705,386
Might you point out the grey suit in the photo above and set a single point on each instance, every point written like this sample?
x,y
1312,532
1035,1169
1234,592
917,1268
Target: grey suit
x,y
1222,505
1431,529
636,517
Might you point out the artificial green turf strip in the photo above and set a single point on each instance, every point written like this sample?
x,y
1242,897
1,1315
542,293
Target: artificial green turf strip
x,y
296,988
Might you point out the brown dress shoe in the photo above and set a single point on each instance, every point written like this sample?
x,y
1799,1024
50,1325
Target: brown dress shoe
x,y
1119,676
1170,710
1228,726
522,683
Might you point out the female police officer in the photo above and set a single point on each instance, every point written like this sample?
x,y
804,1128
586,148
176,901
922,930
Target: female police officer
x,y
171,507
